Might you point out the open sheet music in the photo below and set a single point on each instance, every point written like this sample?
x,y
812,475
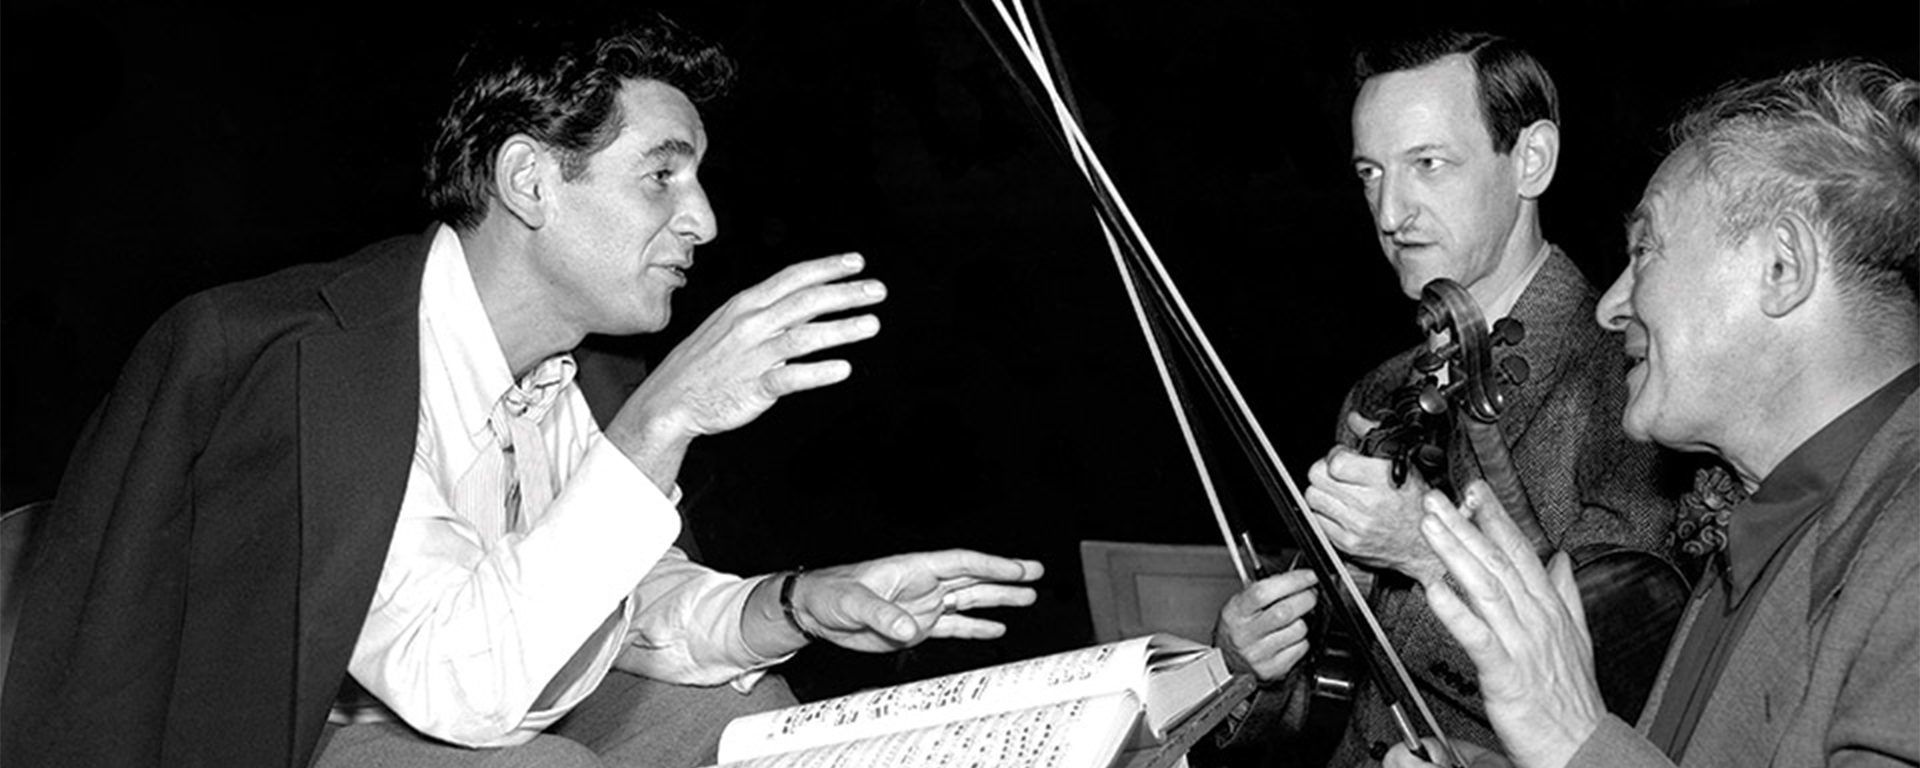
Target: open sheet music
x,y
1077,708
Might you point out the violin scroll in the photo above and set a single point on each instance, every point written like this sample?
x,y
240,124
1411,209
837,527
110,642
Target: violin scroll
x,y
1448,311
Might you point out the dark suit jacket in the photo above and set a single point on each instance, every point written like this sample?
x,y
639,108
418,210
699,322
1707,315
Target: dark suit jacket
x,y
1587,482
200,583
1832,678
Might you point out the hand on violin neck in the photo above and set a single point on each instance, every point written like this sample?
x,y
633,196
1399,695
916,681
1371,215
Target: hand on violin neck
x,y
1367,516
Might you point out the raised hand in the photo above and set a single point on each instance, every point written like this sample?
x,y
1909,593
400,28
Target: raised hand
x,y
1523,627
896,602
1262,629
736,365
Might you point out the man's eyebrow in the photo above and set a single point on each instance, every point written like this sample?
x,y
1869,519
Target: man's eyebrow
x,y
670,148
1417,149
1637,220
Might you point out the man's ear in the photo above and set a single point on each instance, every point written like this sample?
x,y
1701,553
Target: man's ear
x,y
520,179
1791,267
1536,154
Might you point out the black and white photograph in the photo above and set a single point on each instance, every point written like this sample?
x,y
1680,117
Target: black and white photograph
x,y
1479,383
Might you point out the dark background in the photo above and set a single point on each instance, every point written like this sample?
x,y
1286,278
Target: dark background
x,y
1009,404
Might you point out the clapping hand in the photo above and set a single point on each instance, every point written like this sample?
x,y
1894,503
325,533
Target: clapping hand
x,y
1522,625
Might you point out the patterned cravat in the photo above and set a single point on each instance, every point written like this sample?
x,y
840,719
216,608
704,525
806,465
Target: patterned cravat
x,y
506,490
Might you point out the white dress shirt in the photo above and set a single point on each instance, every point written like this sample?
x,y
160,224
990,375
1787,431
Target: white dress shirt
x,y
465,637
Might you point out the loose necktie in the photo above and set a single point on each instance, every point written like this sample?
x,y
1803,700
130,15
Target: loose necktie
x,y
510,485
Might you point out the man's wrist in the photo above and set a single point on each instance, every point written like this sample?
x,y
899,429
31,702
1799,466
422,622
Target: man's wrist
x,y
763,624
787,583
657,446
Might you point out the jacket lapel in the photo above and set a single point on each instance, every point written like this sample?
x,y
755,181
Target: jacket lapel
x,y
1557,311
359,413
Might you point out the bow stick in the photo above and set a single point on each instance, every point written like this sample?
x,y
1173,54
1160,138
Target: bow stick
x,y
1166,320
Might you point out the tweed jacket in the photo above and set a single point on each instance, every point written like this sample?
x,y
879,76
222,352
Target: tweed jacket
x,y
203,576
1588,484
1829,673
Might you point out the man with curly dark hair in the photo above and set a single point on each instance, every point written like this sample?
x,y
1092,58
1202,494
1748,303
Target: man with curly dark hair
x,y
378,511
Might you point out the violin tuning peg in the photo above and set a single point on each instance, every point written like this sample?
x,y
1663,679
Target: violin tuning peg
x,y
1432,401
1428,362
1508,331
1430,459
1515,370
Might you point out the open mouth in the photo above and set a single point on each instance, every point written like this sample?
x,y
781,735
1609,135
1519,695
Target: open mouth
x,y
1634,346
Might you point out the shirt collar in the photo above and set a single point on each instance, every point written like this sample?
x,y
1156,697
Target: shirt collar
x,y
1502,305
1796,490
451,312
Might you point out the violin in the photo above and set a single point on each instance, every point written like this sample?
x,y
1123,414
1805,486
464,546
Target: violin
x,y
1632,599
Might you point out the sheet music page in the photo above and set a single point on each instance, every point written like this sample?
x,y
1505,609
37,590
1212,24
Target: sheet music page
x,y
1081,733
1043,680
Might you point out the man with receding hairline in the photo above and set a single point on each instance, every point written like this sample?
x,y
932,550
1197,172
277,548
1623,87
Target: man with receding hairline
x,y
1772,314
1456,140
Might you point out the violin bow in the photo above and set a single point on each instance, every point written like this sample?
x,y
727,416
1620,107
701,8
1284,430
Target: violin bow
x,y
1167,321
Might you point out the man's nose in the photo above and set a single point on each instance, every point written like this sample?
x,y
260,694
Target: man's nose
x,y
1391,210
695,220
1616,306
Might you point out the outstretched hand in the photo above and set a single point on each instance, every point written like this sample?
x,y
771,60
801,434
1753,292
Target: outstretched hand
x,y
1524,628
736,364
896,602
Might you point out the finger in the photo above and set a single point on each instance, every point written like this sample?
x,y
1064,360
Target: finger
x,y
1360,425
1449,535
1290,609
1486,573
1493,520
1467,628
1331,503
1568,590
1266,591
954,625
1273,656
1288,658
1351,467
807,338
967,563
1401,757
1437,503
816,300
868,611
1317,472
788,379
798,276
988,596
